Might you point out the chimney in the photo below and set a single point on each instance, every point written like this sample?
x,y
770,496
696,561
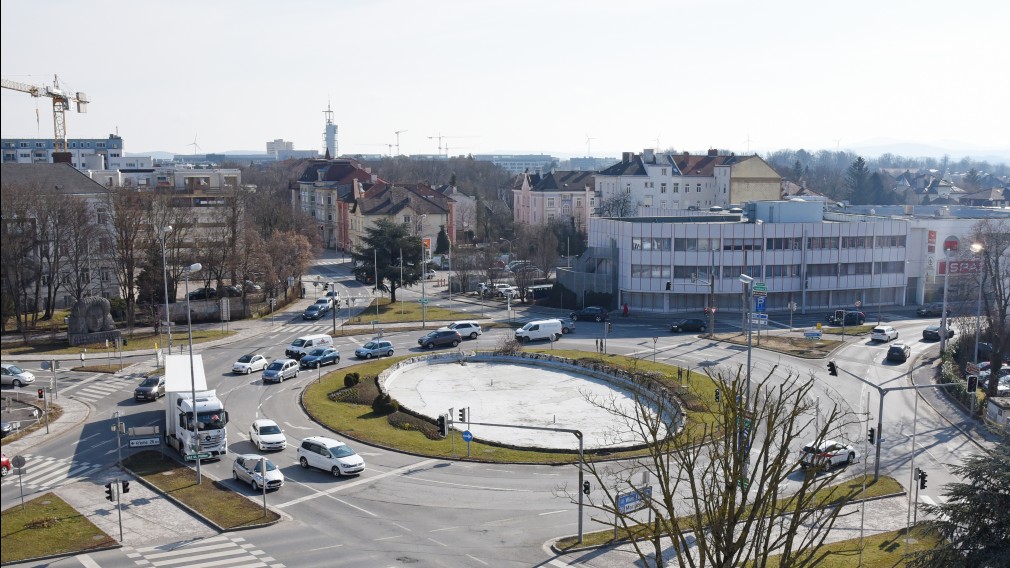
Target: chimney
x,y
713,152
649,156
626,157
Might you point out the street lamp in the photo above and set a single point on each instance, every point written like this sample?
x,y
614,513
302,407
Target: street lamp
x,y
977,249
510,246
943,313
192,373
424,275
163,233
748,298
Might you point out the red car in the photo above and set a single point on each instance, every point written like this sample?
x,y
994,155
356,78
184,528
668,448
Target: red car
x,y
5,465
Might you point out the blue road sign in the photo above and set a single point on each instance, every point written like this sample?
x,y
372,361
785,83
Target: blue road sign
x,y
759,304
467,436
634,501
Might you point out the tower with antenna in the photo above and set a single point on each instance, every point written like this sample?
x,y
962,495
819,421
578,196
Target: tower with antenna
x,y
330,134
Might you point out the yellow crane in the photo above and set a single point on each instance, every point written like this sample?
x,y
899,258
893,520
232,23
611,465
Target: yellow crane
x,y
61,102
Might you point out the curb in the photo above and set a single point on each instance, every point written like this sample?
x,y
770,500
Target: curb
x,y
68,554
967,434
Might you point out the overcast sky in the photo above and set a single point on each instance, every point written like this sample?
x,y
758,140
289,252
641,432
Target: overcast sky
x,y
515,76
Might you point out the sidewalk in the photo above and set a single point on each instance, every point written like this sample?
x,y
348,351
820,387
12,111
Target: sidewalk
x,y
950,410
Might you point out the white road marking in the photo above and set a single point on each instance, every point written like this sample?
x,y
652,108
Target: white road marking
x,y
290,425
445,529
554,512
390,537
467,486
478,560
325,548
355,483
87,561
439,543
927,500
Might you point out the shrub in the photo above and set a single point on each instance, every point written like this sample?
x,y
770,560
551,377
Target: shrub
x,y
384,404
351,379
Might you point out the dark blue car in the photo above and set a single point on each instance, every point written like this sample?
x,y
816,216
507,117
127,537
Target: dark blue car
x,y
319,357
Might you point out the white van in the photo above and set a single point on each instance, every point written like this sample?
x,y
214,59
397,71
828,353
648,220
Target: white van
x,y
306,343
540,329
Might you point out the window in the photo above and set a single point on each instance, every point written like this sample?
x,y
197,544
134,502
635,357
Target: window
x,y
822,270
627,188
822,243
550,202
650,271
663,171
698,188
891,241
648,201
662,187
676,188
406,218
650,244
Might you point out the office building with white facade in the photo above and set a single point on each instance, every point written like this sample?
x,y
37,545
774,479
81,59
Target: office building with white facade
x,y
85,153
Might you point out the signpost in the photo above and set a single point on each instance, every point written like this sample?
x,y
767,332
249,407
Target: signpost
x,y
634,501
200,456
814,335
19,463
144,442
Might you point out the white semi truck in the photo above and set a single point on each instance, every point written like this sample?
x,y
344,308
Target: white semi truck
x,y
183,426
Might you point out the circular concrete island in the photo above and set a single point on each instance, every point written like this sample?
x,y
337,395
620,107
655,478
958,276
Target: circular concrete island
x,y
516,393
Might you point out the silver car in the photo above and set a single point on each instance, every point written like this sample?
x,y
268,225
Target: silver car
x,y
375,348
14,375
280,370
248,468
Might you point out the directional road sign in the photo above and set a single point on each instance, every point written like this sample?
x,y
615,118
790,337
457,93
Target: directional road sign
x,y
467,436
200,456
423,301
143,442
634,501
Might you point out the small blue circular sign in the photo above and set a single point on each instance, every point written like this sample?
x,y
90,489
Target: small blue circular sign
x,y
467,436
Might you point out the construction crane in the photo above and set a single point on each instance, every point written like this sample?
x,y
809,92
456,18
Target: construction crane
x,y
441,137
398,133
61,102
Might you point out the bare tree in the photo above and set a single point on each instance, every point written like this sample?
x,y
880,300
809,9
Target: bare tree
x,y
994,236
718,487
618,205
289,254
82,241
465,265
19,261
128,227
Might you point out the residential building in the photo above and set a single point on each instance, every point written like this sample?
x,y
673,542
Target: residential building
x,y
464,212
566,196
326,191
519,163
279,145
658,183
85,153
419,206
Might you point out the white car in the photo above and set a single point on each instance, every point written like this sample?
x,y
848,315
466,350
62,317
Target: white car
x,y
249,363
430,275
248,468
826,455
466,329
267,435
325,303
883,333
14,375
329,455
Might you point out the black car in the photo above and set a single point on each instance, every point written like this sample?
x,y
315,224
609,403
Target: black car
x,y
899,352
931,310
440,337
203,294
688,325
231,292
932,333
595,313
845,318
150,389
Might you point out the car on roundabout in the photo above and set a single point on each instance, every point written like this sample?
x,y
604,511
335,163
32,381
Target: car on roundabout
x,y
319,357
248,468
567,325
467,329
440,338
884,333
374,348
5,465
329,455
826,455
249,363
14,375
687,324
279,370
899,352
150,389
933,333
266,435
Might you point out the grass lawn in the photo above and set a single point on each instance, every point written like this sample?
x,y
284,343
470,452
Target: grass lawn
x,y
790,345
139,340
47,526
55,411
411,312
351,413
883,550
211,499
839,493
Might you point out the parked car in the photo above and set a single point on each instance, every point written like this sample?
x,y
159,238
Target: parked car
x,y
314,312
375,348
5,429
439,338
250,362
883,333
14,375
249,469
1002,388
679,325
319,357
595,313
279,370
150,389
932,333
466,329
231,292
899,352
203,294
329,455
251,286
826,455
5,464
567,325
931,310
267,435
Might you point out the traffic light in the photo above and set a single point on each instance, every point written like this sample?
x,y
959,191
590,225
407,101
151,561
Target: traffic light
x,y
126,487
922,479
443,426
706,310
336,303
718,395
585,487
610,327
108,492
871,435
462,415
326,286
668,285
972,383
832,369
42,393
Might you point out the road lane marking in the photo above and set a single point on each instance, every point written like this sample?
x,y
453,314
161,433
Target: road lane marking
x,y
478,560
554,512
467,486
325,548
438,543
445,529
87,561
390,537
355,483
927,500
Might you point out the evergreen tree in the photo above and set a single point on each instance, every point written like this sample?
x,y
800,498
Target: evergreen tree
x,y
856,181
379,256
442,241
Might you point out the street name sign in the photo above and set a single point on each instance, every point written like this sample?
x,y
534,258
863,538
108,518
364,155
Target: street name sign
x,y
143,442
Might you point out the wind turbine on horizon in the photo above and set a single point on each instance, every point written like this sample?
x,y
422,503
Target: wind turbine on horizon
x,y
196,146
589,141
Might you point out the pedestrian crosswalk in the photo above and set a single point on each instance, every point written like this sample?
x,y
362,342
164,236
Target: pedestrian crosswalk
x,y
43,473
99,387
222,550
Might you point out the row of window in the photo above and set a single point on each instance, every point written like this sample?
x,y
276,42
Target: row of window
x,y
786,243
701,273
23,144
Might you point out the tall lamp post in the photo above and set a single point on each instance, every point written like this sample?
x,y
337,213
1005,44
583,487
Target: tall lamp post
x,y
510,246
424,274
748,298
163,234
977,249
192,373
943,312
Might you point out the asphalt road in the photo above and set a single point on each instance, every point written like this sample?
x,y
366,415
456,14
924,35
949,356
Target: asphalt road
x,y
406,509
